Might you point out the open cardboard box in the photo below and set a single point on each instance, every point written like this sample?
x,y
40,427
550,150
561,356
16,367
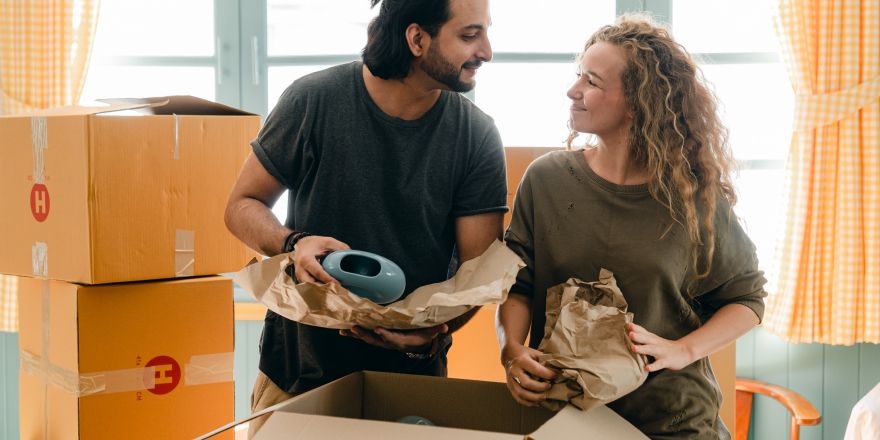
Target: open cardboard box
x,y
134,190
365,405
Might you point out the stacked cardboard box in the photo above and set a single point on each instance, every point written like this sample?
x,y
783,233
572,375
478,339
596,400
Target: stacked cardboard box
x,y
113,217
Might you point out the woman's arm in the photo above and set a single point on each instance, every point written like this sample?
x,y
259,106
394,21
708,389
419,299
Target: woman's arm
x,y
523,372
725,326
730,298
514,316
512,322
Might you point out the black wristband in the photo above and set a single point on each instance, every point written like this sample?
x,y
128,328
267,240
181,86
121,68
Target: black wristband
x,y
292,239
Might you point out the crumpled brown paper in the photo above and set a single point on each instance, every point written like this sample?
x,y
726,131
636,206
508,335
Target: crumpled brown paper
x,y
482,280
586,343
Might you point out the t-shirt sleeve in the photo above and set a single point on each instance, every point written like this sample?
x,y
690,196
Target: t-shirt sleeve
x,y
282,144
734,277
484,186
520,238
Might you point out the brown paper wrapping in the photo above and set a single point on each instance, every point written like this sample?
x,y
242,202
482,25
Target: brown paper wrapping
x,y
586,343
480,281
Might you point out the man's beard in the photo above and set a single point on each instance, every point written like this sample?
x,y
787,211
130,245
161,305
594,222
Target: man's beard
x,y
445,72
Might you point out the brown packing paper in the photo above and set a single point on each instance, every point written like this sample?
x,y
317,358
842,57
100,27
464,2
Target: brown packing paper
x,y
586,342
480,281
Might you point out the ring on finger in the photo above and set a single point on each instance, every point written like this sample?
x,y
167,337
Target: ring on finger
x,y
516,379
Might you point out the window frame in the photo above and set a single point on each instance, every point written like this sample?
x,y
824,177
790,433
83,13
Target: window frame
x,y
241,63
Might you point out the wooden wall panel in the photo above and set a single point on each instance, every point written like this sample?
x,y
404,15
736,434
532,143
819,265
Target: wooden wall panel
x,y
771,365
840,389
869,367
805,375
745,365
724,366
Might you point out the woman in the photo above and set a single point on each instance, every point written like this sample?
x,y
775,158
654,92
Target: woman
x,y
651,202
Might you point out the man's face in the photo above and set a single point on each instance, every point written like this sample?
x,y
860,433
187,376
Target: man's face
x,y
460,46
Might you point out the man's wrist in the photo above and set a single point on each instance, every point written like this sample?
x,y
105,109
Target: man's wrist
x,y
292,239
426,351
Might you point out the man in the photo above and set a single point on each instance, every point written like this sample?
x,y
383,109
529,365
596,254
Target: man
x,y
380,156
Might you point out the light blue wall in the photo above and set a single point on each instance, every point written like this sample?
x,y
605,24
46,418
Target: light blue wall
x,y
833,378
247,357
8,385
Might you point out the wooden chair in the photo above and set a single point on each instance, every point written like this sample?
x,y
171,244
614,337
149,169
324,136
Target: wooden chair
x,y
802,411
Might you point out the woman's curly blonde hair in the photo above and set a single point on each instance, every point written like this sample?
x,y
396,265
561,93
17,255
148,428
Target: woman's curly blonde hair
x,y
677,134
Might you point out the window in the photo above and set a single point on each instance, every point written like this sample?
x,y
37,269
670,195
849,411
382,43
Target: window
x,y
141,49
739,55
244,53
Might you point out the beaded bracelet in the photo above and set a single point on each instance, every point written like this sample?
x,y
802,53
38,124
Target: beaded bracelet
x,y
292,239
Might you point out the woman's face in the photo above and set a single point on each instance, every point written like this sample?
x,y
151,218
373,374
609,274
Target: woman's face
x,y
598,105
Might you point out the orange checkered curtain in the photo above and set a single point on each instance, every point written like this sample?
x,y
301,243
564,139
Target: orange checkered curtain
x,y
44,52
8,304
828,262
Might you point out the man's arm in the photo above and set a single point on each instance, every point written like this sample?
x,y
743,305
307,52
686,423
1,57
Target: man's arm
x,y
473,235
249,209
249,217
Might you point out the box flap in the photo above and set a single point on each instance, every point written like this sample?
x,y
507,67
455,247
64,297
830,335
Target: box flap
x,y
81,110
160,105
597,423
176,105
282,425
340,398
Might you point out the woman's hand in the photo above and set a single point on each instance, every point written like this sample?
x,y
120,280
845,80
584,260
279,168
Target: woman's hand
x,y
525,374
673,355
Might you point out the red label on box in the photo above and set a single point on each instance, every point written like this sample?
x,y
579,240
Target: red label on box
x,y
40,202
167,374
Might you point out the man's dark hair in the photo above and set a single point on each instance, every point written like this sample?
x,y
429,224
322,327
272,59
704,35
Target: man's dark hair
x,y
387,54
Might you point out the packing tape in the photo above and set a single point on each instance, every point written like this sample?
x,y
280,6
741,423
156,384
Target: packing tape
x,y
102,382
209,368
176,136
200,370
184,252
115,381
39,142
40,259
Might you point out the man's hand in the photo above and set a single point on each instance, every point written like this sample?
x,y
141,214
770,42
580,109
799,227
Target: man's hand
x,y
410,341
524,374
673,355
309,249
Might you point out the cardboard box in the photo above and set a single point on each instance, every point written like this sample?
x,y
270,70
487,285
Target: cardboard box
x,y
98,195
144,360
366,405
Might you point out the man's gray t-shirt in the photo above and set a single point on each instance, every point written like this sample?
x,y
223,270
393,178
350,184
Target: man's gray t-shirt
x,y
379,184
